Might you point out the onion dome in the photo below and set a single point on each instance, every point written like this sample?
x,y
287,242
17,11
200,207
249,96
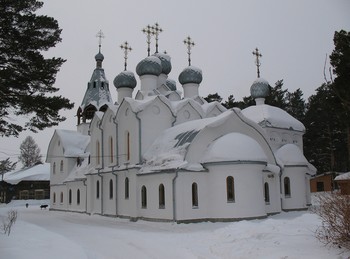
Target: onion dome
x,y
191,74
260,88
171,84
125,79
149,66
99,57
165,61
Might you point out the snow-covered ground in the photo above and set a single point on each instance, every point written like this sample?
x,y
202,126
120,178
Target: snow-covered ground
x,y
50,234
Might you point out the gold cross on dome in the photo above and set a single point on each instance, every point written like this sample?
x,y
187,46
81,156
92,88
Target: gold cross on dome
x,y
257,61
127,48
190,43
100,35
148,30
155,31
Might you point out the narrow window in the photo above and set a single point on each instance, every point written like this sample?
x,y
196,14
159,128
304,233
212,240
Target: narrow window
x,y
111,189
97,152
97,189
54,168
111,150
144,197
70,196
61,200
61,166
78,197
128,145
161,196
126,188
54,197
286,187
266,193
194,195
230,189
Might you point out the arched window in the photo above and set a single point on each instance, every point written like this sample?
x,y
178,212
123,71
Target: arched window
x,y
97,189
54,168
194,195
111,189
98,152
161,196
61,166
78,197
61,198
126,186
230,189
54,197
70,196
286,187
127,145
266,193
143,197
111,153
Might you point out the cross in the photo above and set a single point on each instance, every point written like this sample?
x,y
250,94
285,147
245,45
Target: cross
x,y
100,35
257,61
189,42
127,48
148,30
155,31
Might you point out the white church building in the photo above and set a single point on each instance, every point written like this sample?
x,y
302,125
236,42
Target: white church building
x,y
164,156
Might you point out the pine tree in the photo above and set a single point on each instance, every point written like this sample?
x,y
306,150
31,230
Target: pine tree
x,y
296,104
30,153
213,97
26,77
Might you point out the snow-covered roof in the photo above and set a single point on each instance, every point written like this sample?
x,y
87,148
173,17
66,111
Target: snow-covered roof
x,y
35,173
345,176
78,172
290,154
74,143
270,116
234,147
168,151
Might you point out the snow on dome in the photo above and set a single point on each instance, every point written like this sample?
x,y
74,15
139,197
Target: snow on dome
x,y
35,173
149,66
234,147
260,88
168,151
191,74
270,116
125,79
290,154
165,62
345,176
74,143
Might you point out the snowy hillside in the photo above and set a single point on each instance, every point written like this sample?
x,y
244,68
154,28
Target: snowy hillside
x,y
48,234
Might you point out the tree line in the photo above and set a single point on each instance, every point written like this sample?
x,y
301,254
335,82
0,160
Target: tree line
x,y
325,114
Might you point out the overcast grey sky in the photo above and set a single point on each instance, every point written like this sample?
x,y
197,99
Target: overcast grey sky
x,y
293,36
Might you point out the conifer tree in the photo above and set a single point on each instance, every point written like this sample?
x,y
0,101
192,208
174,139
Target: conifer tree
x,y
27,101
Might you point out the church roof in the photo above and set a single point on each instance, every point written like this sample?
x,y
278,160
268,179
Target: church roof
x,y
74,143
273,117
234,147
191,74
97,92
290,154
35,173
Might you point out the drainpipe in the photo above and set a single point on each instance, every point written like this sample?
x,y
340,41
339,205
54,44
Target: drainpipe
x,y
101,187
86,195
174,194
116,192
